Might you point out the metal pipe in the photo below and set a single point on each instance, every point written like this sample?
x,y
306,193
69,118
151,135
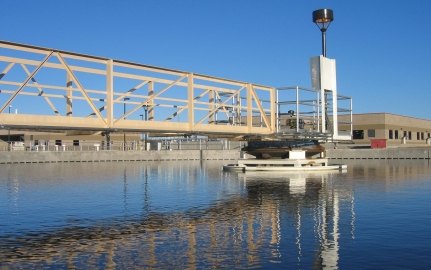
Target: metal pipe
x,y
297,109
323,42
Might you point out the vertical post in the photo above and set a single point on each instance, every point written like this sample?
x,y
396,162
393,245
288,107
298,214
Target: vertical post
x,y
108,140
334,114
238,108
8,133
318,111
323,109
249,107
351,117
109,93
272,108
278,111
323,30
109,100
232,112
211,101
314,114
69,95
151,103
124,113
191,115
146,133
297,109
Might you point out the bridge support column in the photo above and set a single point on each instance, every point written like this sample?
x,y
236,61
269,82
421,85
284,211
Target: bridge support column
x,y
108,140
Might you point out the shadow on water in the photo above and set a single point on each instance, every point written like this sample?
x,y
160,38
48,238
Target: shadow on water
x,y
182,215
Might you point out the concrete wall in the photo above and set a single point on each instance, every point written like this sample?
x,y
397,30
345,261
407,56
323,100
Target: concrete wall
x,y
104,156
390,153
107,156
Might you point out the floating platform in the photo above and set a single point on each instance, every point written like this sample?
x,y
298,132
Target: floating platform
x,y
285,165
297,162
282,149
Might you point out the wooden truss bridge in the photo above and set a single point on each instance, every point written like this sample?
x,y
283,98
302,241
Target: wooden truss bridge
x,y
48,89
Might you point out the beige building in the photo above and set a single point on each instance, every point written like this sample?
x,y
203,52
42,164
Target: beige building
x,y
395,129
70,140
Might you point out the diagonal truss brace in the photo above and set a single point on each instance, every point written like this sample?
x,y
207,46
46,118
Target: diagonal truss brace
x,y
6,70
223,108
218,107
25,82
81,89
183,108
47,99
151,98
128,93
259,105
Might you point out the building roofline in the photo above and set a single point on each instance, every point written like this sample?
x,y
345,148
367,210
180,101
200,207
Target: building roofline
x,y
406,116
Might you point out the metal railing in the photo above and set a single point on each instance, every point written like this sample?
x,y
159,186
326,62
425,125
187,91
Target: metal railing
x,y
298,113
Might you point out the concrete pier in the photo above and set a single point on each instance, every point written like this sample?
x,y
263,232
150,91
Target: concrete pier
x,y
108,156
389,153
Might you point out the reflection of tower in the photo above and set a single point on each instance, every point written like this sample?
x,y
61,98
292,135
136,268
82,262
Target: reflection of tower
x,y
275,232
297,184
146,195
326,220
125,191
329,253
327,217
13,192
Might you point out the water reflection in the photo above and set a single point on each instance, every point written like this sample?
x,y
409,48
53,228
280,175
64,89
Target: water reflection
x,y
179,215
306,201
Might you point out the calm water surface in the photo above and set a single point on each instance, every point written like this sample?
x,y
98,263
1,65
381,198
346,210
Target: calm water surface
x,y
191,215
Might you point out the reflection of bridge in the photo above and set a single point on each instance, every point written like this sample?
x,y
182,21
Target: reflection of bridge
x,y
68,91
253,229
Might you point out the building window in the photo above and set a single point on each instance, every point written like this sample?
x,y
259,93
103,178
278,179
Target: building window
x,y
358,134
422,136
396,134
36,142
75,142
405,134
391,134
410,135
371,133
58,142
429,135
418,136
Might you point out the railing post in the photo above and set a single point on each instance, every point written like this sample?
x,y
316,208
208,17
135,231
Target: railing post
x,y
297,109
273,106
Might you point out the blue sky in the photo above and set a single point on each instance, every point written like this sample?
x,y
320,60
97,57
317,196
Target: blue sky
x,y
382,48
